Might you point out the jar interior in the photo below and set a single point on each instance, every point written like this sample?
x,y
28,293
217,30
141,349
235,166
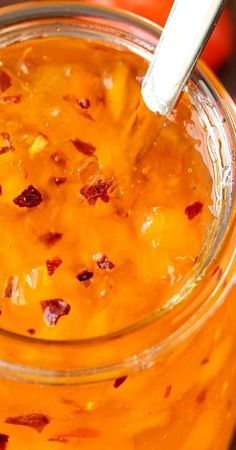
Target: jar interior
x,y
211,122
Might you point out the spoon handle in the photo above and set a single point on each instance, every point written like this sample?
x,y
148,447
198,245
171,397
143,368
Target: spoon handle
x,y
187,30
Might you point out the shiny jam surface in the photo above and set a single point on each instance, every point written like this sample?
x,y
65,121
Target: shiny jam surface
x,y
104,209
104,206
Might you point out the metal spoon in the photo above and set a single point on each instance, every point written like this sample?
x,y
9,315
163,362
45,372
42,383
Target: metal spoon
x,y
186,33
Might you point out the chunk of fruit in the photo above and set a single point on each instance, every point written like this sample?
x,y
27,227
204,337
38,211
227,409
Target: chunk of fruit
x,y
39,144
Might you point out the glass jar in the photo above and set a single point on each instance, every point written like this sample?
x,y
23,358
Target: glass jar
x,y
176,369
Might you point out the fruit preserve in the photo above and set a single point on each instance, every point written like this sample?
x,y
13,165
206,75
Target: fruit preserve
x,y
109,242
104,205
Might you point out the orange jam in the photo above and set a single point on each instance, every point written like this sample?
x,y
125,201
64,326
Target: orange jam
x,y
104,211
104,205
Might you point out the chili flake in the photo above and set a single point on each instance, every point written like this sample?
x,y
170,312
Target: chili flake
x,y
5,143
193,210
201,396
98,190
54,309
86,115
11,287
119,381
36,421
31,331
59,180
52,265
69,98
104,263
58,158
218,271
50,238
84,147
84,103
80,432
84,276
0,189
139,79
168,391
5,81
4,438
8,99
29,198
204,361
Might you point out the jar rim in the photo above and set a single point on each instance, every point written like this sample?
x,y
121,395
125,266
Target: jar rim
x,y
13,15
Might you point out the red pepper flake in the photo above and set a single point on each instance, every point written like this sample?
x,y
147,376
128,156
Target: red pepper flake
x,y
193,210
52,265
3,441
59,180
168,391
11,287
50,238
59,439
84,103
225,283
6,143
84,276
119,381
69,98
98,190
68,401
58,158
218,271
54,309
86,115
8,99
229,404
139,79
29,198
201,396
83,147
104,263
5,81
204,361
0,189
83,433
78,433
31,331
36,421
